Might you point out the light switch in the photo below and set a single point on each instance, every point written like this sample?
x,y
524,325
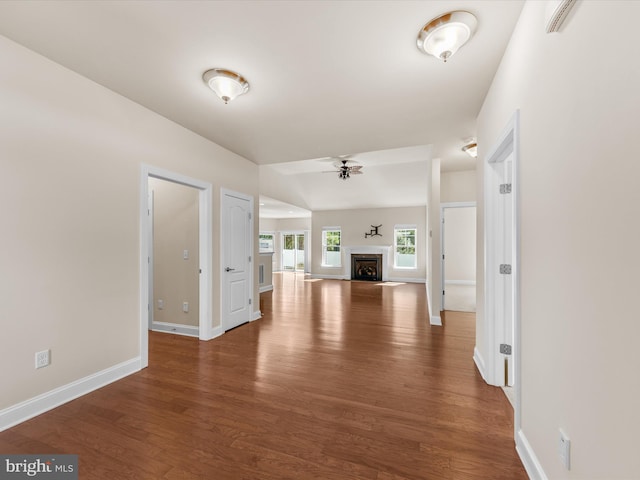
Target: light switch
x,y
185,307
185,254
160,304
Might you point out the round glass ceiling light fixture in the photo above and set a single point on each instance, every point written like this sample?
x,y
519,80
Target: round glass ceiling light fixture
x,y
442,37
226,84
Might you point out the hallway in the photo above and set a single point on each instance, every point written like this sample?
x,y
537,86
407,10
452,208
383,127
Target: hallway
x,y
338,380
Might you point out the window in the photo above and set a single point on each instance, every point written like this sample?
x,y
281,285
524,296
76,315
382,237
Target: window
x,y
331,256
404,246
266,242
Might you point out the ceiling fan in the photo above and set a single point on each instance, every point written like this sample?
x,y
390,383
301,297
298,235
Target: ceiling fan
x,y
345,167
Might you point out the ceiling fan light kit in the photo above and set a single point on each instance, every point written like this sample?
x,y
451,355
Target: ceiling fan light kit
x,y
443,36
226,84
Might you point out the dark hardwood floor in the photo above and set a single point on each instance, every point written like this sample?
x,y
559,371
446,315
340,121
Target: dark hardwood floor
x,y
338,380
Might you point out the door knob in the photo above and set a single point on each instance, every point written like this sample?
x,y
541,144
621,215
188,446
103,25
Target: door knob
x,y
228,269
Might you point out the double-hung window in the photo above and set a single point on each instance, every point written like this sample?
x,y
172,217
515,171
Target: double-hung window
x,y
331,256
404,246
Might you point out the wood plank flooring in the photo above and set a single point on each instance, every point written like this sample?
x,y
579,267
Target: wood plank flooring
x,y
338,380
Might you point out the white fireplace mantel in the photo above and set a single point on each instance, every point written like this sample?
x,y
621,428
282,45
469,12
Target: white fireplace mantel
x,y
384,250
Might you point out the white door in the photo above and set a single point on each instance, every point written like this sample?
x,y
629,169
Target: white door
x,y
500,265
505,206
236,260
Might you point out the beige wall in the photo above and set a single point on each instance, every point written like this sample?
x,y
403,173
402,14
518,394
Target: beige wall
x,y
70,167
354,224
460,244
458,186
175,229
578,95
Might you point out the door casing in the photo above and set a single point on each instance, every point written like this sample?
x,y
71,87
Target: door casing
x,y
505,148
205,330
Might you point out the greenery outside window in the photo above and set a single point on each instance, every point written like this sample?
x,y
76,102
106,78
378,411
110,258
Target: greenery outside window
x,y
331,256
404,246
266,242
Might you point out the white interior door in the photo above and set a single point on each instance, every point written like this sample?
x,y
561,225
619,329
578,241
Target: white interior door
x,y
236,260
500,265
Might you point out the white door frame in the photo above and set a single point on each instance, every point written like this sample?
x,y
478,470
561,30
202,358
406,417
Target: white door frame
x,y
254,315
506,146
443,206
205,197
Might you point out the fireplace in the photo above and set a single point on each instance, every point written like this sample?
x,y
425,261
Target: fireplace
x,y
381,252
366,267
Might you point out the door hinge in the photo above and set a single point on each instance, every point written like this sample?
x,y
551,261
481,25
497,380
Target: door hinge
x,y
442,292
443,257
505,349
249,258
505,188
249,301
249,214
505,269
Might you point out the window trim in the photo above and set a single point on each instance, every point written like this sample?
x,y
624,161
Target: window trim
x,y
413,227
324,246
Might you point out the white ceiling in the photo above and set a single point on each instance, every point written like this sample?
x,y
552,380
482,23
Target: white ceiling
x,y
327,77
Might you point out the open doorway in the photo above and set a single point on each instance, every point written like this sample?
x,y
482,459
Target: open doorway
x,y
174,265
458,245
204,254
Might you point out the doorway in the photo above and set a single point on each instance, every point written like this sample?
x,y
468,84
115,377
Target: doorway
x,y
174,264
501,274
294,251
204,248
458,256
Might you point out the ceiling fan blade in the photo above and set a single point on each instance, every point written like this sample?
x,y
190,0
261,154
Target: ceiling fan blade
x,y
355,168
355,172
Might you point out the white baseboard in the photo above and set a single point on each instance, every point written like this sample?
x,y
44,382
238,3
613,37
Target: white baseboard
x,y
529,458
266,288
433,320
257,315
35,406
479,361
460,282
176,328
214,333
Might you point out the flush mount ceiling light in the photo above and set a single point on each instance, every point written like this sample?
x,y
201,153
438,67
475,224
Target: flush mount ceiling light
x,y
225,83
443,36
471,149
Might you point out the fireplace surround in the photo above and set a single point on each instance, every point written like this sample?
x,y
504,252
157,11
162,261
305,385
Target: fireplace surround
x,y
381,251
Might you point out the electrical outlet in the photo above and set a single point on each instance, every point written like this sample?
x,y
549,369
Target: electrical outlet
x,y
160,304
42,358
185,307
564,449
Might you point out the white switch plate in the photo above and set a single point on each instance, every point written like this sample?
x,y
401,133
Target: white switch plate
x,y
564,449
160,304
185,254
185,307
42,358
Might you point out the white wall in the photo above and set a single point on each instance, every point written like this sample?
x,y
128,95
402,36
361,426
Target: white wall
x,y
354,224
579,100
280,225
70,168
458,186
